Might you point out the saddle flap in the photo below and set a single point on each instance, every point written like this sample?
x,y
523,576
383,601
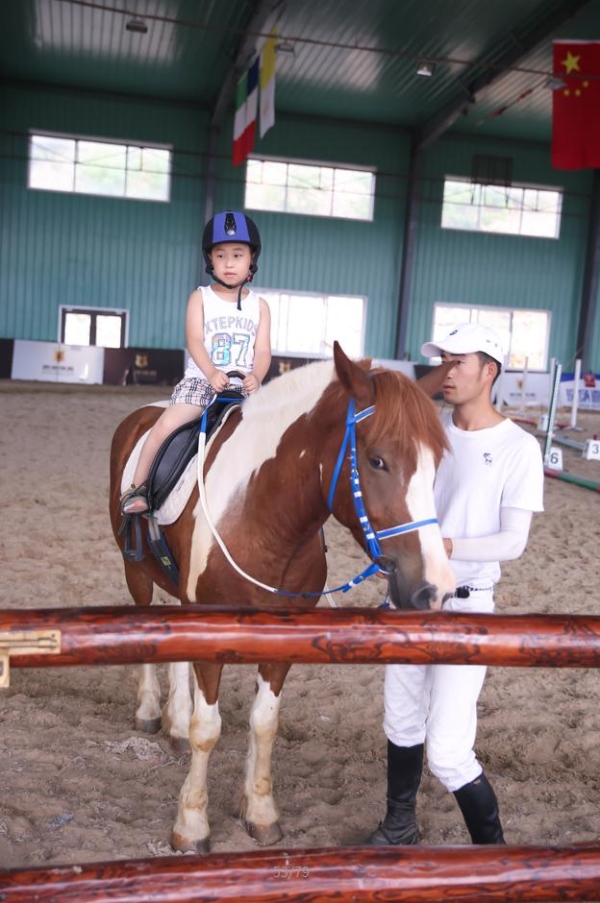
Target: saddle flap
x,y
179,448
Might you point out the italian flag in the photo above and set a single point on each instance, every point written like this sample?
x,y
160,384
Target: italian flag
x,y
246,107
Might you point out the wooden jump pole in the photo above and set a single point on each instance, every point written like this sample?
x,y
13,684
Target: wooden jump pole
x,y
362,875
130,635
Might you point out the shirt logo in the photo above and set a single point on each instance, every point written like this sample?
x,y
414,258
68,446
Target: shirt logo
x,y
487,459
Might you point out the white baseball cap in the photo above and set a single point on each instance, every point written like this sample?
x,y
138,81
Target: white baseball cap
x,y
465,339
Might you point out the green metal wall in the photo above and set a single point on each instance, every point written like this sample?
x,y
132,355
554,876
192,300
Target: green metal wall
x,y
500,270
317,254
70,249
104,252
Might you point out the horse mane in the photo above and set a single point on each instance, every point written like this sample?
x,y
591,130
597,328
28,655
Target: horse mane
x,y
402,408
299,388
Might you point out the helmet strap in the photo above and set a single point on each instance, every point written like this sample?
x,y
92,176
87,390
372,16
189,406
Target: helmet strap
x,y
239,286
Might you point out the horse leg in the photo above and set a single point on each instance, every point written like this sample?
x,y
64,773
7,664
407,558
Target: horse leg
x,y
147,714
191,830
177,711
258,810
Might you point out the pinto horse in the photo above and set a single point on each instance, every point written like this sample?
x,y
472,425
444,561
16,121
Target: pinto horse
x,y
279,466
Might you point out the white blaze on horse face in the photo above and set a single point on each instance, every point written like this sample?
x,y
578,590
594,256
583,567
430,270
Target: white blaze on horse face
x,y
266,416
421,505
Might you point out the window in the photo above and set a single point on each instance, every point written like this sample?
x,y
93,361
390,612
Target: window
x,y
514,210
90,326
63,163
524,333
286,186
308,324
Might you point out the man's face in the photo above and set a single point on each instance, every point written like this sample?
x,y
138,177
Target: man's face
x,y
468,380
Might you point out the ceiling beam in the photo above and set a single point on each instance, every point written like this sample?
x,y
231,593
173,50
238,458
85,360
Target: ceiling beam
x,y
522,44
257,23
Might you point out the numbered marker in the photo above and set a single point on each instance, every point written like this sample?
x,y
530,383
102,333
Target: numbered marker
x,y
555,459
591,451
543,423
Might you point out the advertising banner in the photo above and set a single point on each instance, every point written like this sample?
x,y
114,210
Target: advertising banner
x,y
53,362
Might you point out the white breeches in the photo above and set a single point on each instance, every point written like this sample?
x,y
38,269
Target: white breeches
x,y
437,705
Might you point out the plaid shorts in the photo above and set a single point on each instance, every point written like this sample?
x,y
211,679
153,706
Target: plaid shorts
x,y
194,390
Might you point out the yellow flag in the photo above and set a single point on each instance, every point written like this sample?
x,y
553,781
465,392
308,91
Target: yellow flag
x,y
268,64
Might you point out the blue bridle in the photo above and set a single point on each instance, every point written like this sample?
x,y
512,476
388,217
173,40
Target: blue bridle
x,y
372,536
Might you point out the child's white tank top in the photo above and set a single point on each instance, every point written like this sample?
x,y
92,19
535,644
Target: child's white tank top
x,y
229,333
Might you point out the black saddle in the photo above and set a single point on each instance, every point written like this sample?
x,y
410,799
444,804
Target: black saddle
x,y
179,448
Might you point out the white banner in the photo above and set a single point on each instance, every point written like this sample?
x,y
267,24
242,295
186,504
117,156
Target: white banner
x,y
52,362
532,390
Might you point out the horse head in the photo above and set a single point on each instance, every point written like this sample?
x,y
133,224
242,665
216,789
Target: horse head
x,y
390,507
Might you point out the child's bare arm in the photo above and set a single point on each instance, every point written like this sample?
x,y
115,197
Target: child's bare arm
x,y
262,350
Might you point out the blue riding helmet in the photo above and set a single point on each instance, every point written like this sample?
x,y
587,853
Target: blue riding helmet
x,y
231,226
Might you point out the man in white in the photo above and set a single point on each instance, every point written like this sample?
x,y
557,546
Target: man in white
x,y
487,487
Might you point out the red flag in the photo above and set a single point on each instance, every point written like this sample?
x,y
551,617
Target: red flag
x,y
576,105
246,107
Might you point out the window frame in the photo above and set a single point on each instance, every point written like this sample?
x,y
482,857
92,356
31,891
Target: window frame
x,y
472,311
124,144
93,312
314,164
325,351
481,207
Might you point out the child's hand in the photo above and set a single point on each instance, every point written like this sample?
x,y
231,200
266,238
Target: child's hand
x,y
219,380
250,383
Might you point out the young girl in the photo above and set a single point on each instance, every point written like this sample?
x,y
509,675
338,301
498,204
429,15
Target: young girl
x,y
228,327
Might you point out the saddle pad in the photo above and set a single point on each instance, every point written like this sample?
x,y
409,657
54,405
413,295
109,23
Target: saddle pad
x,y
173,506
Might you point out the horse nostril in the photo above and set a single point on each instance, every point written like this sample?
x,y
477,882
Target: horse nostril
x,y
422,598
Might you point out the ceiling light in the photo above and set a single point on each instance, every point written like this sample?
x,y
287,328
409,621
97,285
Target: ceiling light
x,y
137,25
426,69
285,47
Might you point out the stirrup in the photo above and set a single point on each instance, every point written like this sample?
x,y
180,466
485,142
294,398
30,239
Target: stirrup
x,y
135,500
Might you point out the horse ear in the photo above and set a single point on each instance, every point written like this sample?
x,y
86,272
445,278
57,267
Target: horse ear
x,y
432,381
354,376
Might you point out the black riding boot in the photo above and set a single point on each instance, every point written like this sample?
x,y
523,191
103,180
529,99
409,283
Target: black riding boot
x,y
479,807
404,769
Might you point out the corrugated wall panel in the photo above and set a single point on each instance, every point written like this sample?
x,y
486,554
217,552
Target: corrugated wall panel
x,y
63,249
316,254
60,248
500,270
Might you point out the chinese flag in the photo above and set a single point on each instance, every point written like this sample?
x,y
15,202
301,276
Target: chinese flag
x,y
576,106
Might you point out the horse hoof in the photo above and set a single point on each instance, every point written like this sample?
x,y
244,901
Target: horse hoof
x,y
148,725
182,845
180,745
265,835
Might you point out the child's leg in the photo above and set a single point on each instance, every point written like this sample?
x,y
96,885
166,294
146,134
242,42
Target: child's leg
x,y
172,418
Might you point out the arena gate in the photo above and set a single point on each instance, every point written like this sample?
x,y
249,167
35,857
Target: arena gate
x,y
103,636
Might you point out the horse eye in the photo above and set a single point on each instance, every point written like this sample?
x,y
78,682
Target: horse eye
x,y
377,463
